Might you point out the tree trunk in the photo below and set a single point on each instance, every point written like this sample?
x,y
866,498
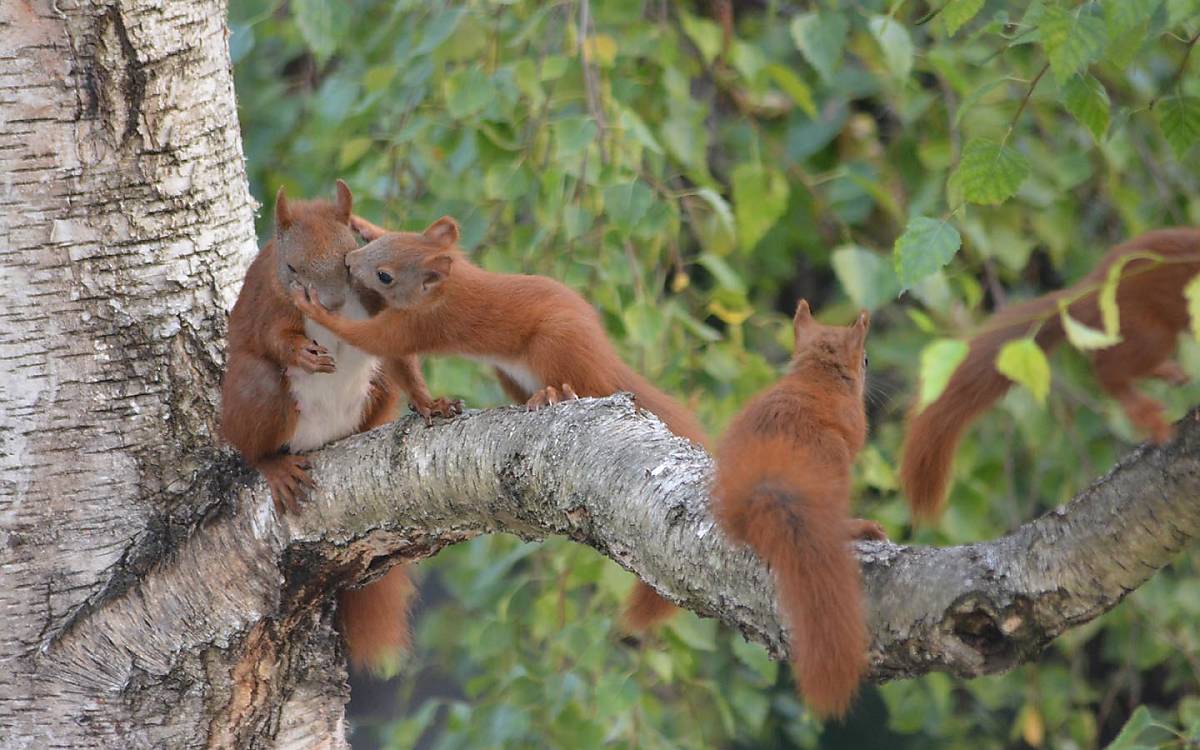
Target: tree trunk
x,y
126,227
149,595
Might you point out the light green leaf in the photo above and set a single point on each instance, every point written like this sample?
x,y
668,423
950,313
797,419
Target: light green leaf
x,y
1192,293
958,13
626,204
467,92
896,43
1085,338
760,198
705,34
1024,362
939,360
866,276
1179,118
820,37
322,24
990,172
1110,315
926,245
794,86
1120,15
352,150
572,135
1072,39
1087,101
635,126
722,232
977,94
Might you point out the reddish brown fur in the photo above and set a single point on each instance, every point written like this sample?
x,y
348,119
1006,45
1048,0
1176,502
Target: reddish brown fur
x,y
375,620
441,303
1153,312
783,488
258,411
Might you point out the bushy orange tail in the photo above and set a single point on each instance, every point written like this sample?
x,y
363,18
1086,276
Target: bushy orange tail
x,y
375,622
934,432
803,540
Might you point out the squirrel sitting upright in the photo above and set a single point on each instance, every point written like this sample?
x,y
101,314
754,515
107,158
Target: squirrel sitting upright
x,y
538,334
284,392
782,487
1153,311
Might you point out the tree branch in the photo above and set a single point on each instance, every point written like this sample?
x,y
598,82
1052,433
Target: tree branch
x,y
602,473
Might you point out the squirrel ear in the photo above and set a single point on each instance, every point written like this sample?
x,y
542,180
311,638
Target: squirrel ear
x,y
444,231
345,202
437,269
283,214
864,320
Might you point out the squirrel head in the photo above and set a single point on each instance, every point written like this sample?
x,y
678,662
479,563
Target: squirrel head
x,y
407,268
839,351
311,242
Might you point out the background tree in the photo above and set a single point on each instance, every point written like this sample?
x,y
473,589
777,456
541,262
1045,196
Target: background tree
x,y
670,165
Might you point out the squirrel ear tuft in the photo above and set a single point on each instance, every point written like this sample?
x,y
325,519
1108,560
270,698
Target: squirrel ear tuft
x,y
444,231
283,214
345,202
864,320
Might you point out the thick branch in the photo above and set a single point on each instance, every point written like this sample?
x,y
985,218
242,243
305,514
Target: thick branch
x,y
606,475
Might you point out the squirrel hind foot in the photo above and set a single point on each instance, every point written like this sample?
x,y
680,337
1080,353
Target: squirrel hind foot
x,y
287,476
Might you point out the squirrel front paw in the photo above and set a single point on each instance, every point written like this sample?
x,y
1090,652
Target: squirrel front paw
x,y
308,303
438,407
312,357
287,476
550,395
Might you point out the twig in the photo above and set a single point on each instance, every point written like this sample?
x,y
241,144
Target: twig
x,y
1024,101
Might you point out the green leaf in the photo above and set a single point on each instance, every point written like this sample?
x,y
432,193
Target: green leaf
x,y
626,204
990,172
939,360
760,198
820,37
1120,15
572,135
794,86
1072,39
866,276
1138,722
1082,337
322,24
896,43
1192,293
1110,315
1087,101
1179,118
926,245
977,94
1024,362
705,34
957,13
721,234
467,92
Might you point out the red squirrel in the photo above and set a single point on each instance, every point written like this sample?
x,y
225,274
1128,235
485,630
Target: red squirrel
x,y
292,386
782,487
538,334
1153,311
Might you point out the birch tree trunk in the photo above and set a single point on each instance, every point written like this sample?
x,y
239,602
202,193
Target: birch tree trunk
x,y
148,595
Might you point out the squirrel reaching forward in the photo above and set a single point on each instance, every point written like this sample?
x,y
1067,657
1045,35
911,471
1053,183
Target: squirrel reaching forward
x,y
291,385
1153,311
782,487
538,334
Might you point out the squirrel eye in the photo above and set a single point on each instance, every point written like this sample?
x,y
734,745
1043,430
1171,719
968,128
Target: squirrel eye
x,y
384,277
865,361
291,268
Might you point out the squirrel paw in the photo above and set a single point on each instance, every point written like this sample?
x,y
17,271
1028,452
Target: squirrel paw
x,y
312,357
861,528
549,396
438,407
1171,372
287,476
308,303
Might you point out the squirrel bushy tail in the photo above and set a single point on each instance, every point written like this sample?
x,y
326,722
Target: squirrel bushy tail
x,y
799,530
933,432
375,622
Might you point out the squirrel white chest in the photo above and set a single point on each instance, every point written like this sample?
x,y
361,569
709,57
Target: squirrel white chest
x,y
332,405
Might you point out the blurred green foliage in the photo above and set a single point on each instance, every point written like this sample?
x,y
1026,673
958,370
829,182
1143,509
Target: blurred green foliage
x,y
693,173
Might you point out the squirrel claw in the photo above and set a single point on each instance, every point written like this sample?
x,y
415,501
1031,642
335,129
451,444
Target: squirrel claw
x,y
549,396
438,407
315,358
863,529
286,477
